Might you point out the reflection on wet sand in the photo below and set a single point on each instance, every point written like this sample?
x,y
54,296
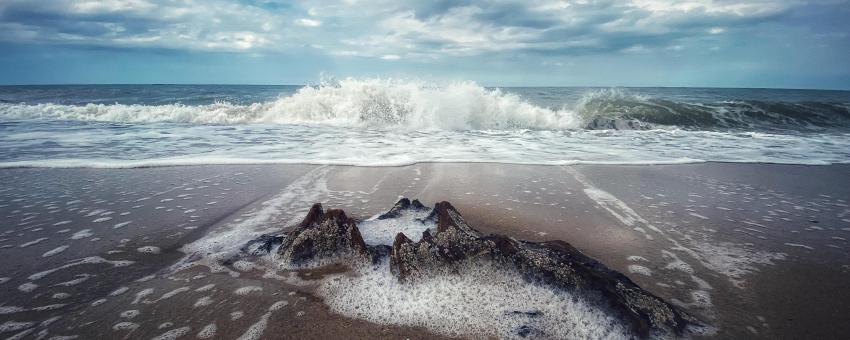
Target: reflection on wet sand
x,y
155,252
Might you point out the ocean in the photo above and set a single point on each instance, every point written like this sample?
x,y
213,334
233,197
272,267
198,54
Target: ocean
x,y
160,211
385,122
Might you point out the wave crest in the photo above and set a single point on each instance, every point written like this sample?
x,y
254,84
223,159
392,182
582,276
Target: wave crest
x,y
349,102
617,109
465,105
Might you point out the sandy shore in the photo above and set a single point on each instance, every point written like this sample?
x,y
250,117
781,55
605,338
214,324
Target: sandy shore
x,y
755,250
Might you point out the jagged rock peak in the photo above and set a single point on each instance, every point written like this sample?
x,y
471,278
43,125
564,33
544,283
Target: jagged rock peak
x,y
554,263
322,235
403,204
455,244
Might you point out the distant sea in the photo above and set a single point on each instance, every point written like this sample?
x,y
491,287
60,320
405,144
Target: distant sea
x,y
382,122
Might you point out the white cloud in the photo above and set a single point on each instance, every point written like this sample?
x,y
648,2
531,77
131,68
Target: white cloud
x,y
215,25
456,32
101,6
383,29
308,22
739,8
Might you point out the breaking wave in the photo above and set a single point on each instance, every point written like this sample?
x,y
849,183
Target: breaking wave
x,y
386,103
612,109
350,102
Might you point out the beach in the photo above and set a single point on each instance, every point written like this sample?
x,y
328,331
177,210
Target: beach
x,y
752,250
248,170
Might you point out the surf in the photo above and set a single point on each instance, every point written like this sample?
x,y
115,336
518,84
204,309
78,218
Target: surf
x,y
384,103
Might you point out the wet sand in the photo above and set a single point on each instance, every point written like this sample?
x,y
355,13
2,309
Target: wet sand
x,y
755,250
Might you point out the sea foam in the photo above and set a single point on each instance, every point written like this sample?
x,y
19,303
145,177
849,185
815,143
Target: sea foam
x,y
385,122
483,300
349,102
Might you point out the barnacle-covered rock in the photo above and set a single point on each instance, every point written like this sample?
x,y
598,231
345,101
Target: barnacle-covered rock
x,y
454,244
554,263
322,235
403,205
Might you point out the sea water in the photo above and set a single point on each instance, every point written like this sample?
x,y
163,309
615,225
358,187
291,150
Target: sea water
x,y
385,122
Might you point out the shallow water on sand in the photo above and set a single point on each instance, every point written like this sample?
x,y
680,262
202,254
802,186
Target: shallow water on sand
x,y
148,252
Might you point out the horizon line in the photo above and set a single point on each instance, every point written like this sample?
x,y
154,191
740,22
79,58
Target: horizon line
x,y
483,85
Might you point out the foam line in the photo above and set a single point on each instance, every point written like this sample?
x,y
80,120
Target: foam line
x,y
226,240
482,301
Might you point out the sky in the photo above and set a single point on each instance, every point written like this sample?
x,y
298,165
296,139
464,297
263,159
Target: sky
x,y
710,43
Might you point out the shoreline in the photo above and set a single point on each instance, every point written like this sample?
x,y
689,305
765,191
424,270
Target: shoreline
x,y
740,267
165,163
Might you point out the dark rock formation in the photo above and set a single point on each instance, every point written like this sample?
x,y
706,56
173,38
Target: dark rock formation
x,y
527,331
555,263
401,206
262,245
326,235
322,235
332,234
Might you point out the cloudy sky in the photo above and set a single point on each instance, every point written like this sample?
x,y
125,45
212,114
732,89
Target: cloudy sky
x,y
726,43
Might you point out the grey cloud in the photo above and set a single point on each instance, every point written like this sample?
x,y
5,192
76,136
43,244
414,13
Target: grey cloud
x,y
433,30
